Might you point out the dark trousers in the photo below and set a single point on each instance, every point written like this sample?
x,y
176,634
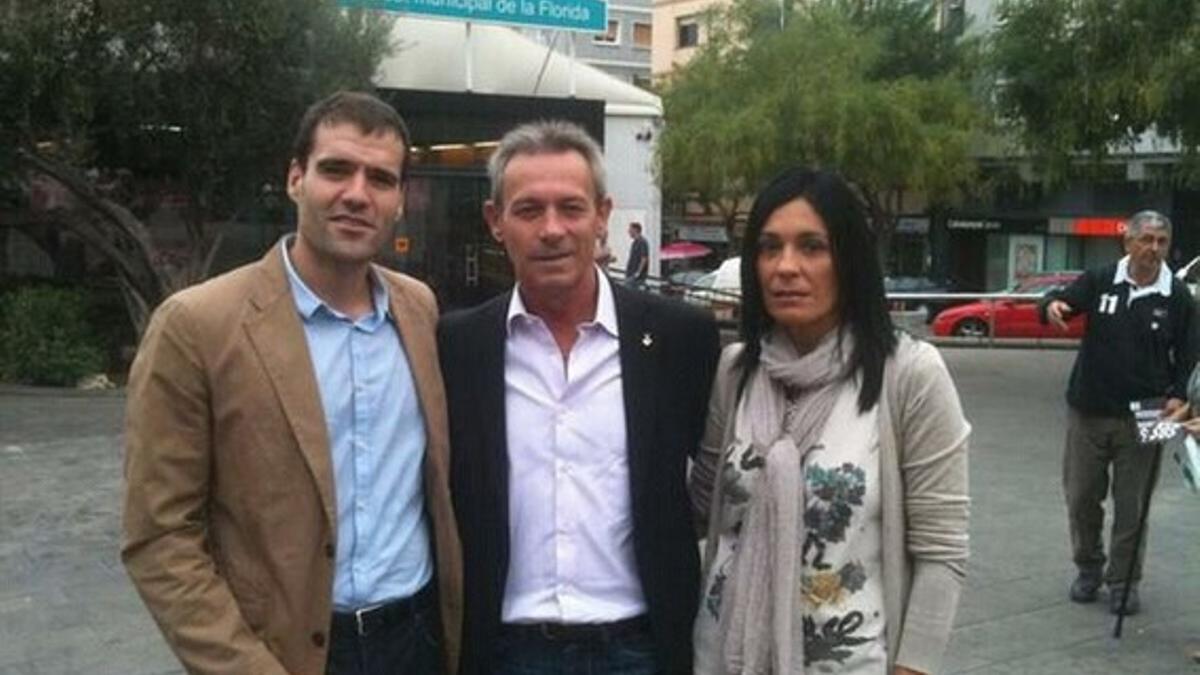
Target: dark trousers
x,y
529,653
403,637
1094,444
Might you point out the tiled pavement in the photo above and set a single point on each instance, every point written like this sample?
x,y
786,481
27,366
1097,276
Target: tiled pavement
x,y
66,606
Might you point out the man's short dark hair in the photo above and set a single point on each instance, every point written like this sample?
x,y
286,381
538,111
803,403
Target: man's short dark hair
x,y
366,111
636,226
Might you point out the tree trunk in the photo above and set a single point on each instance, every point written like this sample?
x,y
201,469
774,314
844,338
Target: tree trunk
x,y
883,222
121,238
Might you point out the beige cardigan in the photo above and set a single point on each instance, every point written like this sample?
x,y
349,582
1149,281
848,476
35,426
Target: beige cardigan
x,y
923,484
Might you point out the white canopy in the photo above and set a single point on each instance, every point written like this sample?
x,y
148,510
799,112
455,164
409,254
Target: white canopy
x,y
431,55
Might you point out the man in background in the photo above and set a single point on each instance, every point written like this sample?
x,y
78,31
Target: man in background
x,y
638,265
1139,344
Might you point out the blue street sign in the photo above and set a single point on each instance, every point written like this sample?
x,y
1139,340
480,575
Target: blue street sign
x,y
580,15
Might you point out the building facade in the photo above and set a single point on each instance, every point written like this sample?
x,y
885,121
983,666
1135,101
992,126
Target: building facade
x,y
622,51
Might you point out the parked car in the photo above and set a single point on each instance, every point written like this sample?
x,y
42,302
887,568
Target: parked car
x,y
719,290
678,283
1013,318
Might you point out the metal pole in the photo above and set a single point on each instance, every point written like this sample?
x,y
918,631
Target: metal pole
x,y
470,61
992,323
1141,532
571,64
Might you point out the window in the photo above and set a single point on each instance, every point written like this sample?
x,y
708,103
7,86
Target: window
x,y
687,31
610,37
641,35
954,17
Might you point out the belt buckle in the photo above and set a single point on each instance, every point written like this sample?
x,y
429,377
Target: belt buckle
x,y
358,618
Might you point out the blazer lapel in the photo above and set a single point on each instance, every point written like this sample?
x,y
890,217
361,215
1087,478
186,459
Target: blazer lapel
x,y
493,336
278,339
639,378
418,336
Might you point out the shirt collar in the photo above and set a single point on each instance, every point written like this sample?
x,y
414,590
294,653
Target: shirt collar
x,y
309,303
1161,285
606,308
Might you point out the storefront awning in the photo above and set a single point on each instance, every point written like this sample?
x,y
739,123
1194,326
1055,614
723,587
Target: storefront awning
x,y
1088,226
432,55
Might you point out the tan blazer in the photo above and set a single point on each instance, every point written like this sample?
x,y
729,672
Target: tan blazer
x,y
229,513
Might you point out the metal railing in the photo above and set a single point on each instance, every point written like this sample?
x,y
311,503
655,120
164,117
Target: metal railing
x,y
983,329
977,329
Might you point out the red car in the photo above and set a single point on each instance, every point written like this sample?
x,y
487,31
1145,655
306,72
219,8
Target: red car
x,y
1014,318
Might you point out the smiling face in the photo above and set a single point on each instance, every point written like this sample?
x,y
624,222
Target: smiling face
x,y
348,195
796,271
549,220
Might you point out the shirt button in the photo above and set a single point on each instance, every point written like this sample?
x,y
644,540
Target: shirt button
x,y
318,639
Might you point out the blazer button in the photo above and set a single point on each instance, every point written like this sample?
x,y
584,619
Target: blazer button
x,y
318,639
329,550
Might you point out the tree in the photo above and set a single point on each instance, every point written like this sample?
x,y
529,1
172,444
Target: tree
x,y
1082,79
871,89
115,105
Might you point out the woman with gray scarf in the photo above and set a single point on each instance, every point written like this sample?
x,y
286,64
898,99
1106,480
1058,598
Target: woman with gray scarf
x,y
832,479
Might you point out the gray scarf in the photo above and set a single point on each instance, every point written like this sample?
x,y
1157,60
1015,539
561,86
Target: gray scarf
x,y
782,413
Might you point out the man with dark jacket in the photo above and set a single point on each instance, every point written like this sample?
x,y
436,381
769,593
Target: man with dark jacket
x,y
1139,344
574,404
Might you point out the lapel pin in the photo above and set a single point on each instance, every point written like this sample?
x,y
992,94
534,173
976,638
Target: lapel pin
x,y
647,340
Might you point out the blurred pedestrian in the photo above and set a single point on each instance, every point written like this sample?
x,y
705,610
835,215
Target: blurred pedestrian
x,y
637,267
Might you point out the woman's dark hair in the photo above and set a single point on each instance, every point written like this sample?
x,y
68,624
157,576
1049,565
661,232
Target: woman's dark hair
x,y
861,303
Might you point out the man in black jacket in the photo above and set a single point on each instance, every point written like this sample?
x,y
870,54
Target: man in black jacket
x,y
1139,344
574,404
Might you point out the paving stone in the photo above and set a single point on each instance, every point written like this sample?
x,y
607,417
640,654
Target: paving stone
x,y
66,605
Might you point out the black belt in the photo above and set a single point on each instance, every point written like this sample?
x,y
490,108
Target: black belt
x,y
577,632
369,619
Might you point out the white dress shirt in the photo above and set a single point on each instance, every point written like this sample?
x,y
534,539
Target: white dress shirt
x,y
570,525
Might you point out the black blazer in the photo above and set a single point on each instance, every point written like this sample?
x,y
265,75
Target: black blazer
x,y
668,355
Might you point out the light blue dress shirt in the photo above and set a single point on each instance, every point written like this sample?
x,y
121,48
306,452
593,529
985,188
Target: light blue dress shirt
x,y
377,439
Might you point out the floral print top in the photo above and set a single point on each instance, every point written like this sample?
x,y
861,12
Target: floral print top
x,y
841,587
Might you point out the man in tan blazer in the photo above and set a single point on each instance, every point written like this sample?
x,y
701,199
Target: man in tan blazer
x,y
287,507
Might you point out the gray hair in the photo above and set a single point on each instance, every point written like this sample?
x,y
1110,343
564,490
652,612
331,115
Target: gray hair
x,y
546,137
1143,219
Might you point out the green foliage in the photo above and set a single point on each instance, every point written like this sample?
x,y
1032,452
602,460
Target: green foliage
x,y
120,106
1088,77
45,338
202,94
870,89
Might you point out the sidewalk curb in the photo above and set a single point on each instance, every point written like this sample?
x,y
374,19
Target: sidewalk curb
x,y
24,390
